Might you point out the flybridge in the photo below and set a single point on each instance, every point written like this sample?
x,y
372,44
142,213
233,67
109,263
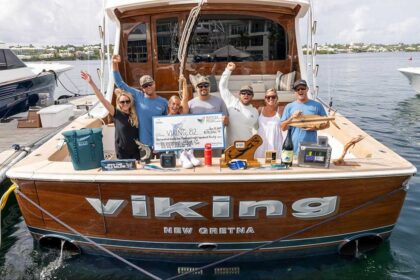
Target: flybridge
x,y
222,207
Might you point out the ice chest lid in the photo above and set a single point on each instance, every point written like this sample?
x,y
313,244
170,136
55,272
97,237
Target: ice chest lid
x,y
55,109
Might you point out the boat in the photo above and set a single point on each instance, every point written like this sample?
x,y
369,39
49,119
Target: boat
x,y
413,76
212,213
24,85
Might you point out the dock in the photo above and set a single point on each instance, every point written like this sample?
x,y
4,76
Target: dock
x,y
10,134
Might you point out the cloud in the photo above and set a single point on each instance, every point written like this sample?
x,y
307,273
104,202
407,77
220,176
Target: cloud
x,y
46,22
357,29
407,28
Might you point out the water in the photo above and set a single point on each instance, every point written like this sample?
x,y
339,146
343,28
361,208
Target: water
x,y
368,89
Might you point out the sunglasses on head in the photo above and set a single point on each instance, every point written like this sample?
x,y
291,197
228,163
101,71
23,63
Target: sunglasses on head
x,y
125,101
205,85
300,88
246,93
146,85
271,97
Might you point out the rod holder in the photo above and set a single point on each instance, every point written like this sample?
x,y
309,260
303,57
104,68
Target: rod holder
x,y
314,23
101,32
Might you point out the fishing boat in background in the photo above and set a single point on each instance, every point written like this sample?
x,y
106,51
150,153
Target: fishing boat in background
x,y
209,213
23,85
413,76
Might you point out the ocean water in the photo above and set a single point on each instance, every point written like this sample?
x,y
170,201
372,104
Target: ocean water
x,y
366,88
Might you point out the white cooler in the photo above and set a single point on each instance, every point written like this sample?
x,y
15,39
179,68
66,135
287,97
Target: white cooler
x,y
55,115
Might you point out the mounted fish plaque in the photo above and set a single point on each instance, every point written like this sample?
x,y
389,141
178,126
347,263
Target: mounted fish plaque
x,y
119,164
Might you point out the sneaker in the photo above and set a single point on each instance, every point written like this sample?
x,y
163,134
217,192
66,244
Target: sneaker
x,y
193,159
184,159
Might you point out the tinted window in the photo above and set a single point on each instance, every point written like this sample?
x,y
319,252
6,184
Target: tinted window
x,y
2,60
167,40
236,38
12,60
137,44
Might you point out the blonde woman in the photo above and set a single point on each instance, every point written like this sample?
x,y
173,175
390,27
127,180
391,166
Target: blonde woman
x,y
269,125
125,120
177,105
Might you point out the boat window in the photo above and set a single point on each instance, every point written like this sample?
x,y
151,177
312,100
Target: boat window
x,y
167,40
12,61
3,65
236,38
137,44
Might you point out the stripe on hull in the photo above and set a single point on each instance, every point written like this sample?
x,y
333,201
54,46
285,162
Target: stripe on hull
x,y
221,246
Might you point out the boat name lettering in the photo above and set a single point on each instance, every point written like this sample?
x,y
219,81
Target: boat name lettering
x,y
222,207
209,230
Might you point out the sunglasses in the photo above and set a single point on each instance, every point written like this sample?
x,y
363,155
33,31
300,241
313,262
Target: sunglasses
x,y
203,85
147,85
271,97
125,102
301,88
246,93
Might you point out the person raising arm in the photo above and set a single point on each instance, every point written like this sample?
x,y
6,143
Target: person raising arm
x,y
124,117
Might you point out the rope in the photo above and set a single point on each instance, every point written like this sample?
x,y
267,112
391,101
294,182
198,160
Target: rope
x,y
3,202
5,196
326,221
182,51
87,238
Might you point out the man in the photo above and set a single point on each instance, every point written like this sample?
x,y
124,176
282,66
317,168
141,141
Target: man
x,y
205,103
242,114
148,103
302,106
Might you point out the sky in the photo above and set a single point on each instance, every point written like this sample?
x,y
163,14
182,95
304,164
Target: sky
x,y
60,22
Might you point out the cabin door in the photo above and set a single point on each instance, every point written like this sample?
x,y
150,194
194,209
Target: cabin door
x,y
165,41
136,45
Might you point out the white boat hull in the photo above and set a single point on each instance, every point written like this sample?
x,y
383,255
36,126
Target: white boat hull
x,y
413,76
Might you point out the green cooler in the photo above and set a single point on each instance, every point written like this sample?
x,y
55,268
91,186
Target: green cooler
x,y
85,147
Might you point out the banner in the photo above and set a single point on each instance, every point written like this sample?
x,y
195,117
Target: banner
x,y
188,132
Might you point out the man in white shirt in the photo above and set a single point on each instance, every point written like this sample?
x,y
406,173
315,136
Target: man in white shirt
x,y
243,117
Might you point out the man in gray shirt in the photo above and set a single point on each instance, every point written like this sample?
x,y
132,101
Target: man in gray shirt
x,y
205,103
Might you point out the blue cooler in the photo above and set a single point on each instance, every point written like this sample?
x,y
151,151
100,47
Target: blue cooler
x,y
85,147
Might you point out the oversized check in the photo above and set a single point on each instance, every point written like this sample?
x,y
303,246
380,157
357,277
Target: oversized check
x,y
188,132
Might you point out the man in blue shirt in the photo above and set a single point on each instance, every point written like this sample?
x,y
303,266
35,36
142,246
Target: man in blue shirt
x,y
302,106
148,103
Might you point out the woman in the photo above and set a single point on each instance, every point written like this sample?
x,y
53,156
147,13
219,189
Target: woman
x,y
176,105
125,120
269,125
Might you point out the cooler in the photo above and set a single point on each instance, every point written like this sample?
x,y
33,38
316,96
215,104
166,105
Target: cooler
x,y
85,147
55,115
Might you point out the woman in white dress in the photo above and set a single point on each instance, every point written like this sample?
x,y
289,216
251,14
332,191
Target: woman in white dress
x,y
269,125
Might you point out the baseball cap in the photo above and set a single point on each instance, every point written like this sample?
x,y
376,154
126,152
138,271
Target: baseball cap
x,y
202,80
246,88
146,79
300,83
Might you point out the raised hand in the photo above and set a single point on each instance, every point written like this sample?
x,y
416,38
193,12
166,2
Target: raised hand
x,y
85,76
231,66
116,58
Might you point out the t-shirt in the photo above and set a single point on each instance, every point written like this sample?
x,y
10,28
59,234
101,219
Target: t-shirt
x,y
243,119
213,104
125,134
146,109
299,135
